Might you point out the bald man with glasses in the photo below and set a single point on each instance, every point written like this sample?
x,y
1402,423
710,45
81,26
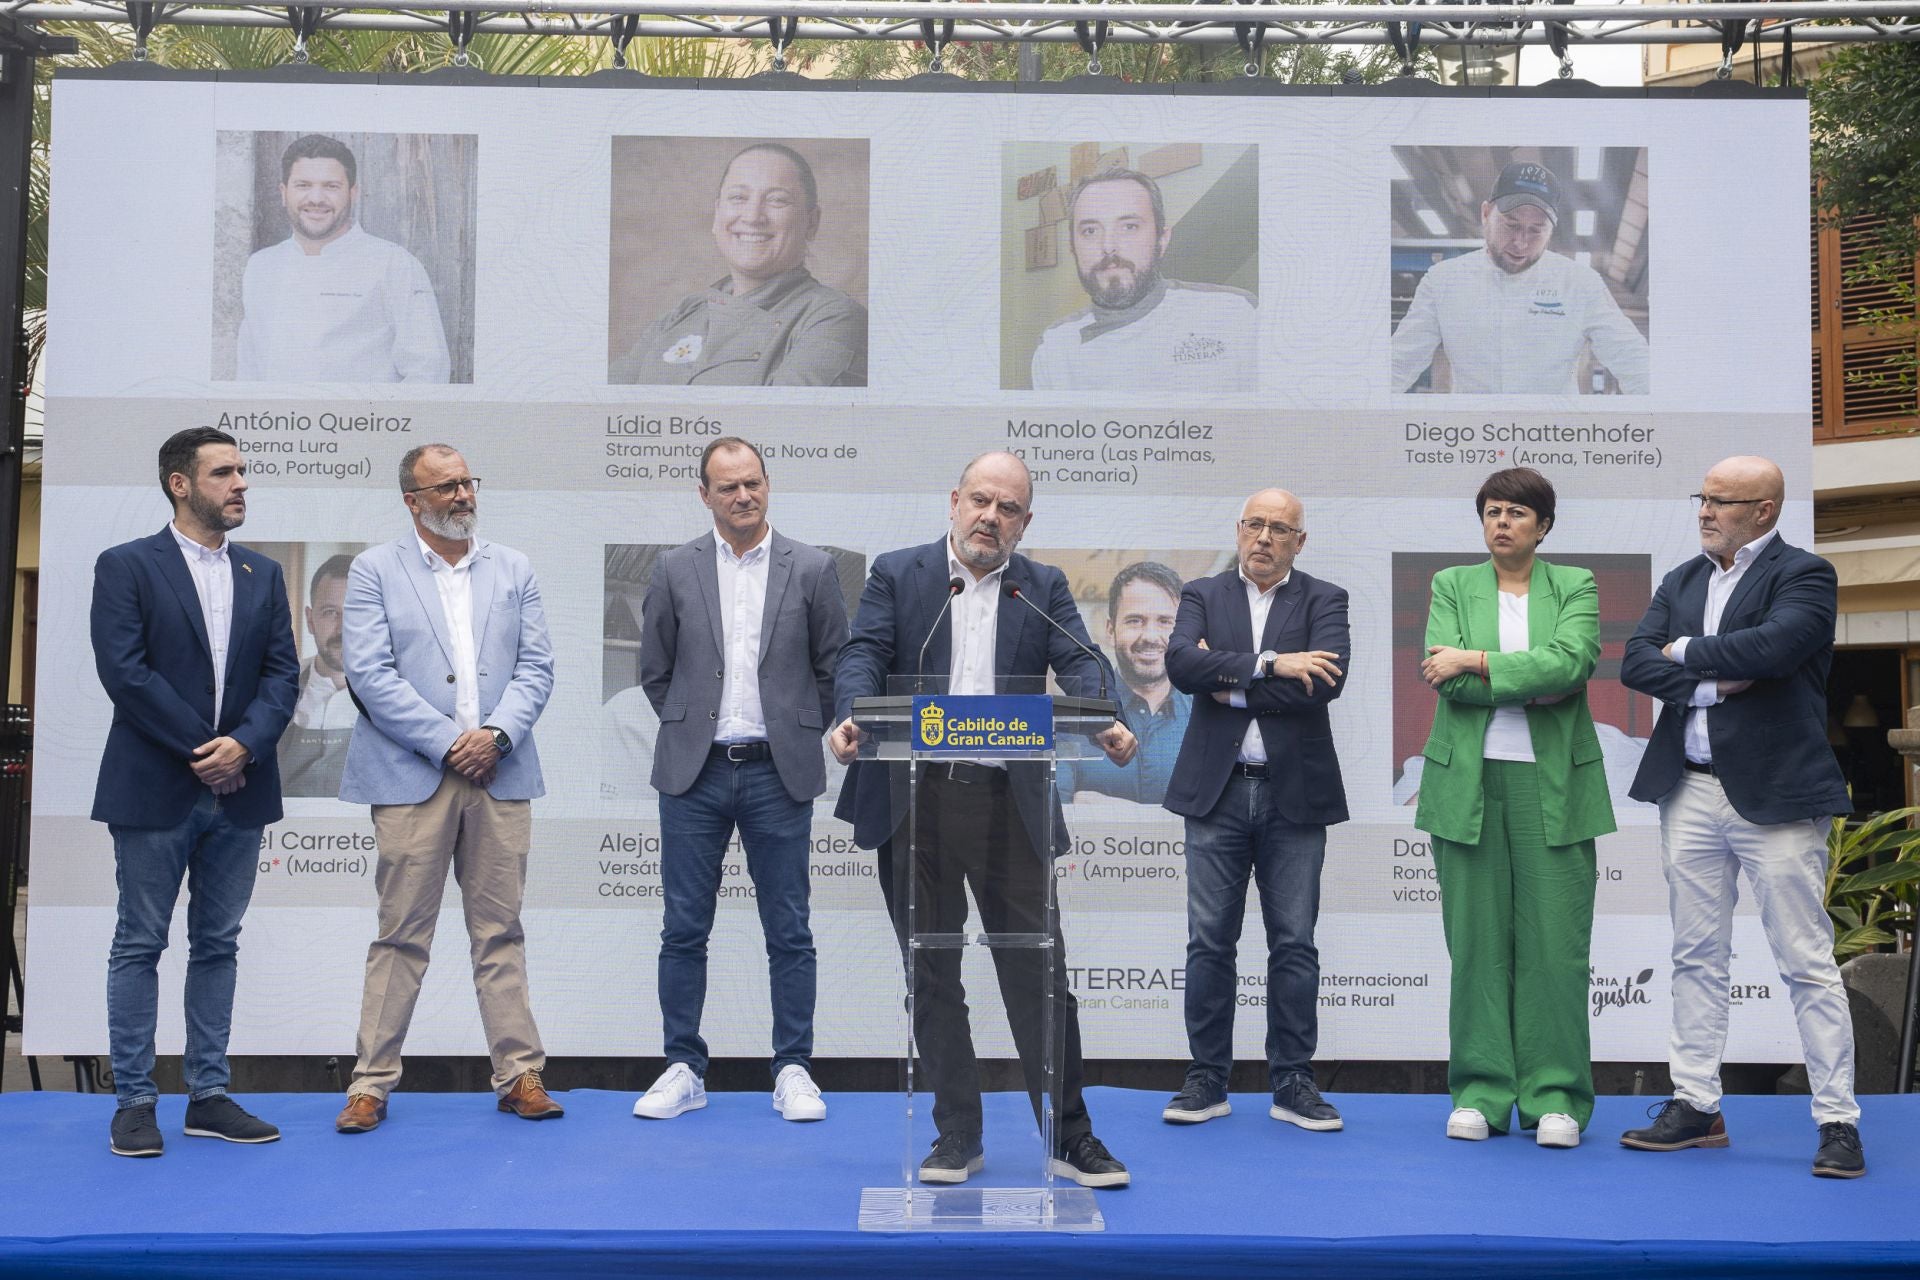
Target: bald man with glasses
x,y
1736,646
1263,650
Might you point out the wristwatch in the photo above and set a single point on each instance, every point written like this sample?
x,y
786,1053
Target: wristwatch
x,y
1266,661
500,739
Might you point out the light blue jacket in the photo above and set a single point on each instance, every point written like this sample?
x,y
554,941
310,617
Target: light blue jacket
x,y
399,660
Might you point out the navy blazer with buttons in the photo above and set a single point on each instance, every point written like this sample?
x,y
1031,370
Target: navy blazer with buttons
x,y
1306,614
1769,742
904,596
150,647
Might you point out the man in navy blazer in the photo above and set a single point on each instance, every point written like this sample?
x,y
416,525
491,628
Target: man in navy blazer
x,y
1736,646
446,649
194,645
976,824
1263,649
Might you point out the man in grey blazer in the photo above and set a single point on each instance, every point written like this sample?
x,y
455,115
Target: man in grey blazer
x,y
740,630
447,656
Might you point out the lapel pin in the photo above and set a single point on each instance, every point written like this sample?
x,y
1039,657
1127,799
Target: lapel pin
x,y
246,566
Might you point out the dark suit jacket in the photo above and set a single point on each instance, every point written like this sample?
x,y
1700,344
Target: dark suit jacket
x,y
150,647
1770,741
683,660
1306,613
903,596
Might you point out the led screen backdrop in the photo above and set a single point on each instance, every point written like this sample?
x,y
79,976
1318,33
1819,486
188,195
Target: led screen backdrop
x,y
1295,290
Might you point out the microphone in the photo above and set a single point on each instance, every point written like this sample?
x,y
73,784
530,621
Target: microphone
x,y
955,586
1013,589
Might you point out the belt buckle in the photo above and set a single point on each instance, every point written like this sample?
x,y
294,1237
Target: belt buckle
x,y
739,746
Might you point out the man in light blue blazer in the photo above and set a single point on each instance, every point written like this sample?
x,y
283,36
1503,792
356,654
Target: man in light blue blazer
x,y
447,657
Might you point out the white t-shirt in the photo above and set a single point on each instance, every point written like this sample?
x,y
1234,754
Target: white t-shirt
x,y
360,310
1507,736
1519,334
1196,338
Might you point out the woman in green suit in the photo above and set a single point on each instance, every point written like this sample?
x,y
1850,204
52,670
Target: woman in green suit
x,y
1514,792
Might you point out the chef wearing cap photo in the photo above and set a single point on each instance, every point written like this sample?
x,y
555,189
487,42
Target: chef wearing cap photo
x,y
1515,317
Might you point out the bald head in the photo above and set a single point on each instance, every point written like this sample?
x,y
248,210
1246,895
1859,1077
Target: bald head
x,y
1004,467
1270,533
1755,476
1739,502
990,510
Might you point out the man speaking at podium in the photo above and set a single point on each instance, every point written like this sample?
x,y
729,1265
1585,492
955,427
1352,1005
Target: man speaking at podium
x,y
965,608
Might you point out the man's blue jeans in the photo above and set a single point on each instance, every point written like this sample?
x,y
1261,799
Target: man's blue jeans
x,y
218,861
1245,836
695,828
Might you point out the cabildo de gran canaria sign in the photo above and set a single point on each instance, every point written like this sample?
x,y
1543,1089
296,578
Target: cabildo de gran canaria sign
x,y
983,724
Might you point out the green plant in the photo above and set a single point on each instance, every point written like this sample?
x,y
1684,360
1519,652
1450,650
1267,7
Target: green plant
x,y
1873,869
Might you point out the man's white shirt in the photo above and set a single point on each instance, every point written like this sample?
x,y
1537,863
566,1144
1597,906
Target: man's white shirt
x,y
743,602
1253,747
1507,334
324,703
1196,338
360,310
212,570
1720,586
455,582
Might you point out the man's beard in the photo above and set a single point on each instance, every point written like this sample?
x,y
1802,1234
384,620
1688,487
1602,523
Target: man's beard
x,y
338,223
454,526
213,515
980,558
1132,676
1118,296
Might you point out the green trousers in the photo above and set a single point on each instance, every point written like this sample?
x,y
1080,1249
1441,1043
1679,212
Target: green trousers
x,y
1518,916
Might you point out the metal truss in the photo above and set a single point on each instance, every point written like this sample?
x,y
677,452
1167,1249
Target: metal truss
x,y
1090,23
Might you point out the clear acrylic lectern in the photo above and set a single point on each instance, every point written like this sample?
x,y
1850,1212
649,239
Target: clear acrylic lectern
x,y
972,782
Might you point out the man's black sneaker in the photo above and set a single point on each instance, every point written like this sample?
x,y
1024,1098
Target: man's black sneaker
x,y
219,1116
1839,1155
1678,1124
1199,1099
1086,1160
1297,1101
135,1133
953,1157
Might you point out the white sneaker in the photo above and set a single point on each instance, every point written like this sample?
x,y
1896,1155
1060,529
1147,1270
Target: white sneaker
x,y
796,1096
1467,1124
1557,1130
676,1092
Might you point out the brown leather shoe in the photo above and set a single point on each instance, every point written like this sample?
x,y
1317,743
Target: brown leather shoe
x,y
363,1112
529,1100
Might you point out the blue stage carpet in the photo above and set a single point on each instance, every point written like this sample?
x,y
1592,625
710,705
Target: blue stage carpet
x,y
451,1187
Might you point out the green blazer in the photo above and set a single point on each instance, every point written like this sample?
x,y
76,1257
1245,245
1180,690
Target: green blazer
x,y
1563,633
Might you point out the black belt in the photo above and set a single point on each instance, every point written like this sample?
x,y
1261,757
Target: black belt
x,y
961,771
1694,766
1249,770
740,752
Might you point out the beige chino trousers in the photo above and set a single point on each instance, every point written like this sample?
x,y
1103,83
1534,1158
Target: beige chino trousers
x,y
485,841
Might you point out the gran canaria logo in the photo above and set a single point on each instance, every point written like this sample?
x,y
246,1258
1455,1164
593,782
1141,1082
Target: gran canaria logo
x,y
933,725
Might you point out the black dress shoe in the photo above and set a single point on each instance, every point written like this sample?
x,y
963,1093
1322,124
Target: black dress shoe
x,y
954,1156
1676,1125
1086,1160
1839,1155
135,1132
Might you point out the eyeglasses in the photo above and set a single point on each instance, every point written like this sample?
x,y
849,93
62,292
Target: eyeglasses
x,y
1255,527
450,488
1714,504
